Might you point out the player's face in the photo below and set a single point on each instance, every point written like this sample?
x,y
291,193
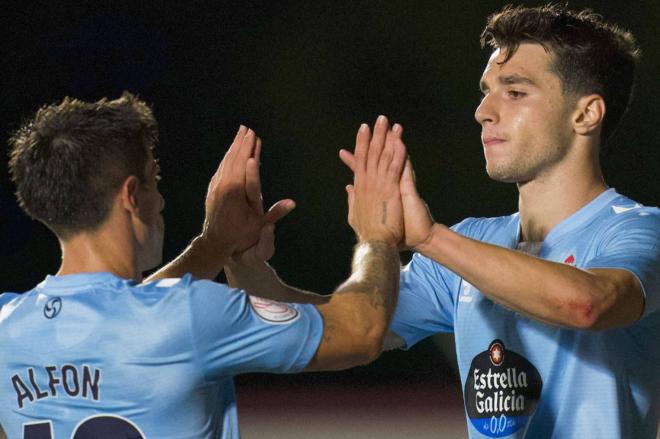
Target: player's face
x,y
151,228
525,118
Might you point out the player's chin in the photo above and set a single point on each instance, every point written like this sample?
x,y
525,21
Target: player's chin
x,y
502,174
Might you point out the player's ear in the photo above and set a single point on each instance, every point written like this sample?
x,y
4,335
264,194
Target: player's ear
x,y
129,194
589,114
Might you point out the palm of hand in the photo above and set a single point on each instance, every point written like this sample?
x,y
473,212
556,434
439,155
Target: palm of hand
x,y
236,224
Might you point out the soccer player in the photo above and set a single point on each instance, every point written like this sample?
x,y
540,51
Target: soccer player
x,y
92,353
556,308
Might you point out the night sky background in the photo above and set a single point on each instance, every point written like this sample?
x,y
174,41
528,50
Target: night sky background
x,y
303,75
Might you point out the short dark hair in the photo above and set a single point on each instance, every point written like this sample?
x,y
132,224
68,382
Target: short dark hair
x,y
70,159
590,54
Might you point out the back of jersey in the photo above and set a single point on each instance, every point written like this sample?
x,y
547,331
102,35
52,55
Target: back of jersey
x,y
93,355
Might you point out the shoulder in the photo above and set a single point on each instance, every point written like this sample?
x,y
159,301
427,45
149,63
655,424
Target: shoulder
x,y
5,298
203,301
193,289
185,283
627,216
485,228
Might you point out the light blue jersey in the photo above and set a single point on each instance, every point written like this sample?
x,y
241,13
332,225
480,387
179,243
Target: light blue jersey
x,y
523,378
95,356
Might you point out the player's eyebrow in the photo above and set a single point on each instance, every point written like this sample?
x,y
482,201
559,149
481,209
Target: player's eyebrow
x,y
515,79
508,80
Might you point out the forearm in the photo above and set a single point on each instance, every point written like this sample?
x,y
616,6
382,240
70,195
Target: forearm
x,y
262,281
375,274
358,313
551,292
199,258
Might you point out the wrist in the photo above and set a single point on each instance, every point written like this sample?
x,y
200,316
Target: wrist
x,y
364,248
386,239
368,252
205,247
431,239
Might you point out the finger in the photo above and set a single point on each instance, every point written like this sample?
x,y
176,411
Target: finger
x,y
241,155
265,247
387,154
361,147
253,186
231,151
257,151
279,210
397,129
247,145
398,161
347,158
377,142
408,179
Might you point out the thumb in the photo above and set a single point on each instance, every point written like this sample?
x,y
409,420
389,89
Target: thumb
x,y
279,210
265,247
347,158
407,183
350,190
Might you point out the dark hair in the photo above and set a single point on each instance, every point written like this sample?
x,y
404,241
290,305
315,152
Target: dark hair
x,y
590,54
71,158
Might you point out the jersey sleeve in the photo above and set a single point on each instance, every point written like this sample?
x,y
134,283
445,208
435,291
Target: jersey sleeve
x,y
426,301
234,333
632,242
427,296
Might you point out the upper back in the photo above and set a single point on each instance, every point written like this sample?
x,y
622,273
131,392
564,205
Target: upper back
x,y
85,344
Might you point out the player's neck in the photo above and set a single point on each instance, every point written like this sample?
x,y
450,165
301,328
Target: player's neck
x,y
101,251
549,199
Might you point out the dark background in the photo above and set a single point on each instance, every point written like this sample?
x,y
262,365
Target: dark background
x,y
303,75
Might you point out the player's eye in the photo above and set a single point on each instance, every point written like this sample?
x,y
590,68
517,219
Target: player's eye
x,y
515,94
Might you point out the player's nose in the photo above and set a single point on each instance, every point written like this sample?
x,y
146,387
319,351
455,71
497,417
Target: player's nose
x,y
486,110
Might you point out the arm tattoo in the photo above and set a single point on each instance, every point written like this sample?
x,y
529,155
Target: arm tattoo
x,y
376,270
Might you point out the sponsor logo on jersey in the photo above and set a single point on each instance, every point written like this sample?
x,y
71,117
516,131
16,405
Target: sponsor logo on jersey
x,y
622,209
271,311
502,391
466,292
496,352
53,307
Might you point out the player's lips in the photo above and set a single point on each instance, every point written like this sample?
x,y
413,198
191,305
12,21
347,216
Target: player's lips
x,y
491,140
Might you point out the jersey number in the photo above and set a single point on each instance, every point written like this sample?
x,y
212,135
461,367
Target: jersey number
x,y
97,427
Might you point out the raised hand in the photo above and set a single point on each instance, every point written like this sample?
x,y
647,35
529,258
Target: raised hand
x,y
374,200
235,219
417,218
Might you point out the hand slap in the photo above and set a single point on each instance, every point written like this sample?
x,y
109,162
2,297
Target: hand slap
x,y
235,218
417,218
375,209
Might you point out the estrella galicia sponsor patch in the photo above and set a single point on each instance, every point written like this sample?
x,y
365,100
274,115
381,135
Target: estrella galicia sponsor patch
x,y
502,391
271,311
